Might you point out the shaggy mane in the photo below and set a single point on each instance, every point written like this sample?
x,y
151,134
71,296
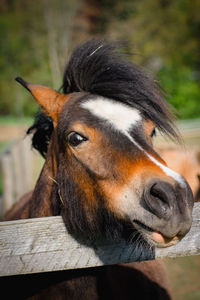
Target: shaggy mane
x,y
100,68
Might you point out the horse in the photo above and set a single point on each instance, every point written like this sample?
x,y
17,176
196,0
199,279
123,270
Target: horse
x,y
103,176
187,163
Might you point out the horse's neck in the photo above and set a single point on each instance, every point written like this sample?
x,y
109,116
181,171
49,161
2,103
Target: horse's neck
x,y
40,203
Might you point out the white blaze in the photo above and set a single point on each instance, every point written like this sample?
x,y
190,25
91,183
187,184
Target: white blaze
x,y
122,118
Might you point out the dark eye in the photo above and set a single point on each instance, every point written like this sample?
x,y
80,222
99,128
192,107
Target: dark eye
x,y
153,133
75,139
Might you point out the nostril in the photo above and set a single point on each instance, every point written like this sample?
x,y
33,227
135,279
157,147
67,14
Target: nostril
x,y
157,192
157,199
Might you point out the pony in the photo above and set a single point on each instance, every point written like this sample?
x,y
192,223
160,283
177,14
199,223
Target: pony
x,y
187,163
103,176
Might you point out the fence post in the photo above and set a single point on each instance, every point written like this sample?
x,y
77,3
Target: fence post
x,y
8,188
26,164
16,157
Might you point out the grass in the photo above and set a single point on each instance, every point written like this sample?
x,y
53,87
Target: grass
x,y
184,273
10,120
3,146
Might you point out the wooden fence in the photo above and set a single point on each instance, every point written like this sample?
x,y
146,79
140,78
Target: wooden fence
x,y
43,245
16,164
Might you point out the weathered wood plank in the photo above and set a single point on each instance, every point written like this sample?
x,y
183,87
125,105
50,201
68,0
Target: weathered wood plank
x,y
8,185
15,166
43,244
18,180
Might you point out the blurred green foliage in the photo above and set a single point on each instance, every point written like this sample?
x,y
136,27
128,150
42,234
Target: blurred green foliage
x,y
184,90
19,55
37,37
164,36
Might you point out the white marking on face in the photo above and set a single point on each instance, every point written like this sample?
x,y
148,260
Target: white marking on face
x,y
123,118
120,116
169,172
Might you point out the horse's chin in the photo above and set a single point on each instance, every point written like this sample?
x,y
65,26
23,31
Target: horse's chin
x,y
162,241
155,238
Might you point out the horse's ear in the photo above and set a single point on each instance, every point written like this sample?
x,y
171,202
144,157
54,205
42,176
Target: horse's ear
x,y
50,100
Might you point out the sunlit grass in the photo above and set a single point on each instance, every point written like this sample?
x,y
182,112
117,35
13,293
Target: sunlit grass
x,y
10,120
184,277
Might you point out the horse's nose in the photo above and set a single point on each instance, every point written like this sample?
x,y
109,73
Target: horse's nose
x,y
160,198
172,205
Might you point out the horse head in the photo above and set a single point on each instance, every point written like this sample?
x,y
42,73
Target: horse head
x,y
108,179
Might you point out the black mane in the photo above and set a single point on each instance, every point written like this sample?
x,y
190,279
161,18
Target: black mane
x,y
99,68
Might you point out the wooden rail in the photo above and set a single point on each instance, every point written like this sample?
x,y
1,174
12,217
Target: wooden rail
x,y
43,245
16,165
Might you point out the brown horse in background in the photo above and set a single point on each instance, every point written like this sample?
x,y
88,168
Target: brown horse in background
x,y
103,176
187,163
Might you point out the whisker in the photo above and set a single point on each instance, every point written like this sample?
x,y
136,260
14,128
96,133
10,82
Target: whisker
x,y
59,193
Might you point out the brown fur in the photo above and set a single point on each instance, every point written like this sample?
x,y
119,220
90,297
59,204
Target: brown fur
x,y
85,183
20,209
187,163
146,280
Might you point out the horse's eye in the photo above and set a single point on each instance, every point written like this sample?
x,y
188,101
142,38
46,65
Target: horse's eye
x,y
75,139
153,133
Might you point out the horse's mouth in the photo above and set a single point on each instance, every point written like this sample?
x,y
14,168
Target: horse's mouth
x,y
154,237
